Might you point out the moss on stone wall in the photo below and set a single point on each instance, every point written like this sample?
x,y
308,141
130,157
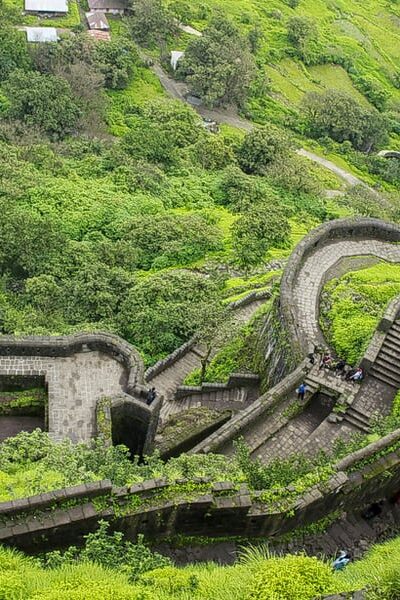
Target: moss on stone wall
x,y
25,402
183,430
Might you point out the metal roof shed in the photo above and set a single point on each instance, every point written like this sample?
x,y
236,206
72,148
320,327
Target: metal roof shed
x,y
41,34
46,6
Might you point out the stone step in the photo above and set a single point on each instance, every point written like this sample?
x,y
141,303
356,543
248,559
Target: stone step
x,y
390,354
339,535
392,369
391,345
394,331
365,530
393,336
385,368
358,414
395,327
356,422
382,376
312,385
352,529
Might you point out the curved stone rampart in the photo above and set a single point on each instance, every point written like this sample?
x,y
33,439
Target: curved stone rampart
x,y
67,345
323,240
389,154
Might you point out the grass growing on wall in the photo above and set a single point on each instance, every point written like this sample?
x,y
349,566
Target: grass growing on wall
x,y
353,304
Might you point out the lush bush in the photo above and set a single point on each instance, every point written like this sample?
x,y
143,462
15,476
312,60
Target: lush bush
x,y
378,571
292,578
218,66
338,115
111,551
261,147
45,101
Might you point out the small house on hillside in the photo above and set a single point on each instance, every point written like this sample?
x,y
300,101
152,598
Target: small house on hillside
x,y
97,20
114,7
56,7
41,34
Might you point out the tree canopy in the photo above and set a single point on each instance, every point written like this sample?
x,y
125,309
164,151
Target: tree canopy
x,y
337,115
218,66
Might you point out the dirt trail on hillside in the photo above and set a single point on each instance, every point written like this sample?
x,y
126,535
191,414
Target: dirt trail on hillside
x,y
229,116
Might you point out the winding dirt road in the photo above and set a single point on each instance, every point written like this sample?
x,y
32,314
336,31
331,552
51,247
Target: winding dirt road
x,y
229,116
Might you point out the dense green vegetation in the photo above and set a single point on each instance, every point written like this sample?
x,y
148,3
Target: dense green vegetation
x,y
121,212
139,226
353,304
110,567
23,402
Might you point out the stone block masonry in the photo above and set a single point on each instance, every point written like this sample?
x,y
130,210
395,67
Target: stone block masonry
x,y
79,370
158,508
317,258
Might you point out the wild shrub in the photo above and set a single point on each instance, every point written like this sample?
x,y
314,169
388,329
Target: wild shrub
x,y
170,580
292,578
111,551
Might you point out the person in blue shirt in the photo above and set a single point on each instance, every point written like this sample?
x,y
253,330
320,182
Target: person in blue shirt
x,y
342,561
301,390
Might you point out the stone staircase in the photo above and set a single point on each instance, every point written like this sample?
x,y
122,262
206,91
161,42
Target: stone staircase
x,y
233,399
386,367
357,418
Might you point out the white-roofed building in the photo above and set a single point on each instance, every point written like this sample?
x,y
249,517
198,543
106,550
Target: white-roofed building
x,y
176,55
114,7
41,34
46,6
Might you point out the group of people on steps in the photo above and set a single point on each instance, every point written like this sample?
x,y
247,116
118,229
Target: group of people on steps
x,y
338,366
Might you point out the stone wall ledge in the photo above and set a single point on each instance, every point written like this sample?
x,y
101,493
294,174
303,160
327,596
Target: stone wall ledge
x,y
356,228
235,380
224,509
49,499
233,427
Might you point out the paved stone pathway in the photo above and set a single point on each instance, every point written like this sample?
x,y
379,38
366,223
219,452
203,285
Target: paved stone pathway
x,y
10,426
167,381
311,277
351,532
75,383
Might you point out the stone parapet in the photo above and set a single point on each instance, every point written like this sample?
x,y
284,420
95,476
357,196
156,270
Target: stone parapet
x,y
356,228
253,412
158,508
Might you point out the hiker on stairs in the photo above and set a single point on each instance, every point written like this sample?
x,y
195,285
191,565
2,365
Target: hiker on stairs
x,y
301,390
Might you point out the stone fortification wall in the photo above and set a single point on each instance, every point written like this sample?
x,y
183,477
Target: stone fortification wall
x,y
157,509
79,370
67,345
392,313
333,231
235,380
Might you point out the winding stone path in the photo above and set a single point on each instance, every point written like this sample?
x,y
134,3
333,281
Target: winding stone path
x,y
329,251
314,274
168,380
